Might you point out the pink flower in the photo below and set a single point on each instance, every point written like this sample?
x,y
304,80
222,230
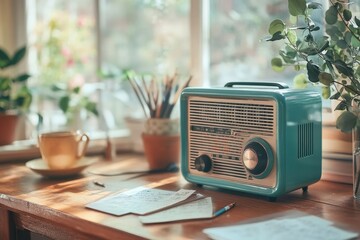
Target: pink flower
x,y
70,62
65,51
81,21
77,81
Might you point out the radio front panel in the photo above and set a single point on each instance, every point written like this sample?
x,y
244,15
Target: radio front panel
x,y
222,136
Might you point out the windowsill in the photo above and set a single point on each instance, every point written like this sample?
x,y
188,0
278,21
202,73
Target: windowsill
x,y
27,149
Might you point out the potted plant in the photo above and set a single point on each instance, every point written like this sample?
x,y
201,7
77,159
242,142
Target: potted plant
x,y
327,48
157,98
15,96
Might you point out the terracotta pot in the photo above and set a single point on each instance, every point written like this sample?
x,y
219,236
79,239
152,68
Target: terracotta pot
x,y
161,150
8,123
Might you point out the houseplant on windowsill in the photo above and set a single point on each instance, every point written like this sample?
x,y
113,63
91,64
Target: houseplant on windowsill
x,y
15,96
330,56
74,104
161,137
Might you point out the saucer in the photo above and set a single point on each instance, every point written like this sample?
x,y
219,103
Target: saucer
x,y
39,166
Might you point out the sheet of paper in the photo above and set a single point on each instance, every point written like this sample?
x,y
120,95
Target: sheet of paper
x,y
198,209
142,201
306,227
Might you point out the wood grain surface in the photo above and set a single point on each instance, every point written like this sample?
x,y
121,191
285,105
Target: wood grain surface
x,y
55,208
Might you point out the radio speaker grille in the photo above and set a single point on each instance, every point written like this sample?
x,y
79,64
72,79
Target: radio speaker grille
x,y
219,127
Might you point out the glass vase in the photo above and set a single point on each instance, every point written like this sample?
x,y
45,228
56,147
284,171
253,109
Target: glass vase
x,y
356,150
356,162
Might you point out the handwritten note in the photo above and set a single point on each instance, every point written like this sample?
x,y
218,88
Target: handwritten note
x,y
142,201
305,227
199,209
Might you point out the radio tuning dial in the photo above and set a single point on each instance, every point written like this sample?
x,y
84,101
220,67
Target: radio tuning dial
x,y
255,158
203,163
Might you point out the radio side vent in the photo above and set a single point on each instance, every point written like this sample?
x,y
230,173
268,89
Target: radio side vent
x,y
305,140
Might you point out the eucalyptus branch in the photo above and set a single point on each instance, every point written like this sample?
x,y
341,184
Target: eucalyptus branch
x,y
328,61
346,87
344,21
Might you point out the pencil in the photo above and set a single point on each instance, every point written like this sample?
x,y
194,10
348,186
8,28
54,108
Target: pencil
x,y
224,209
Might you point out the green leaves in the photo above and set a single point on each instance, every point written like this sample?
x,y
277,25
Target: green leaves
x,y
92,107
347,14
21,78
19,54
276,36
4,58
14,93
5,84
72,100
331,60
326,78
331,15
277,65
313,72
325,92
6,61
64,103
23,98
276,26
343,68
300,81
346,121
297,7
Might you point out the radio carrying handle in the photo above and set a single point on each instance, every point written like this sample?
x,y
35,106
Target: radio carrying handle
x,y
264,84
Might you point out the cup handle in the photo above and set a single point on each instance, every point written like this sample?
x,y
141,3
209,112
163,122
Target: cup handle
x,y
84,138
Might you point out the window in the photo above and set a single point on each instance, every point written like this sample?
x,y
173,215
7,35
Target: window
x,y
62,43
145,36
238,51
215,40
71,40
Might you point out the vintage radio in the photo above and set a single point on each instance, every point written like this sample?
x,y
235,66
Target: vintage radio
x,y
262,138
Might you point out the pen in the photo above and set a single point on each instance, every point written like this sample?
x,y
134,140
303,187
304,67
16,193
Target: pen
x,y
224,209
100,184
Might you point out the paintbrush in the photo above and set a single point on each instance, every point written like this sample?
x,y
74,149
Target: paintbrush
x,y
158,101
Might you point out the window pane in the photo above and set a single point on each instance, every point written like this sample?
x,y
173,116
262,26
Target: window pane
x,y
62,58
146,36
149,37
238,51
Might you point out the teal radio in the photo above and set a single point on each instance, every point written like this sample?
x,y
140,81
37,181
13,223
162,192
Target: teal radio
x,y
256,137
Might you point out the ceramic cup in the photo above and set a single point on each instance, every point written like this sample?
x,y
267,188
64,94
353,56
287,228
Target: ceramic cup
x,y
61,150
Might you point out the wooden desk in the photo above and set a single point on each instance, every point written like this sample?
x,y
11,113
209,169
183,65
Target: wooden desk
x,y
55,208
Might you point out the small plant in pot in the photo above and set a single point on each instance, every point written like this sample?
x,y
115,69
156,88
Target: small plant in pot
x,y
15,96
157,98
326,45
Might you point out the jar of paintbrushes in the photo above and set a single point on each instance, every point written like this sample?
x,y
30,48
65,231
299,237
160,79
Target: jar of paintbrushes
x,y
158,97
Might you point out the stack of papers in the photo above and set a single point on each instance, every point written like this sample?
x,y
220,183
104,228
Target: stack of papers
x,y
299,228
158,205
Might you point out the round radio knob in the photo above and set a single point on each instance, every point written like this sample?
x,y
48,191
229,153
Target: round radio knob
x,y
255,158
203,163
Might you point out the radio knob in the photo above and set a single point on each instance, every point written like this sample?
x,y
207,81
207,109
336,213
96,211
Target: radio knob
x,y
203,163
255,158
